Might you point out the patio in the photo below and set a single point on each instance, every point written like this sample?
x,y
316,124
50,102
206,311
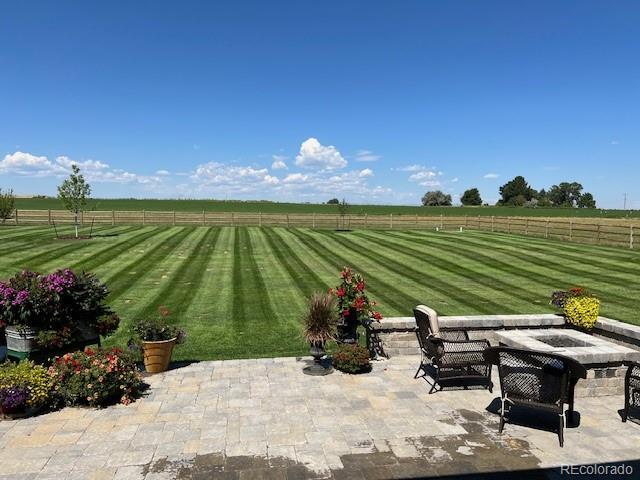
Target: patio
x,y
265,419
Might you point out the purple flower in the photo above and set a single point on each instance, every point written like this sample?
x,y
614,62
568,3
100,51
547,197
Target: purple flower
x,y
21,297
13,398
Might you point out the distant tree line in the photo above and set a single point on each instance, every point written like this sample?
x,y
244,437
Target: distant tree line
x,y
519,193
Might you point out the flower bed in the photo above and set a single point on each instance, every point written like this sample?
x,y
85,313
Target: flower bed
x,y
95,377
56,307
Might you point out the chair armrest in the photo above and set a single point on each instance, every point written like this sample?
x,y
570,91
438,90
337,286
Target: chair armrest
x,y
466,345
454,335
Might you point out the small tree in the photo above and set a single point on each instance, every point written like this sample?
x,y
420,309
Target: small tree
x,y
436,199
343,209
333,201
471,197
7,204
74,193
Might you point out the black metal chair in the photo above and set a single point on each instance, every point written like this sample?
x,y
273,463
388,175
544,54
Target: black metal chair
x,y
631,389
535,379
454,359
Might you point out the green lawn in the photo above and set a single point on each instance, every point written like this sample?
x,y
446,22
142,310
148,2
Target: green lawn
x,y
240,292
272,207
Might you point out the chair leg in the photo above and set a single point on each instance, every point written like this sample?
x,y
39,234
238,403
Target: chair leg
x,y
419,369
625,412
501,427
561,429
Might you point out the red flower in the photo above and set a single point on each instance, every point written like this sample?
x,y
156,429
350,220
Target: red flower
x,y
360,286
359,303
377,315
340,292
345,312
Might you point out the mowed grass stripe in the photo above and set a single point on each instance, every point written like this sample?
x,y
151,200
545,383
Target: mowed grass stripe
x,y
123,277
620,303
551,260
208,318
449,265
392,299
59,249
305,280
109,252
597,257
425,277
251,306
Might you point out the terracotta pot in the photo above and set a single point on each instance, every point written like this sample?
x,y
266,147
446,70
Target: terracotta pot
x,y
157,355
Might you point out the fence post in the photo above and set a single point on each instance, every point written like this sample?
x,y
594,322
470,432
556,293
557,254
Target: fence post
x,y
570,229
631,237
365,221
478,222
287,220
49,216
508,224
113,218
233,219
598,236
493,219
314,219
441,222
16,216
466,220
391,220
144,218
260,219
204,221
546,229
174,218
526,226
81,217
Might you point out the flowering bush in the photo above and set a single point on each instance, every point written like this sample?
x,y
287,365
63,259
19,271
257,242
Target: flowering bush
x,y
95,377
56,305
352,298
351,358
157,329
580,307
26,374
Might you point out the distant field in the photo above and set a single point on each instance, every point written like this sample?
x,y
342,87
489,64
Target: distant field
x,y
241,291
269,207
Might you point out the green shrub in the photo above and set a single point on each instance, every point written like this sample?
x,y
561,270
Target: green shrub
x,y
30,376
351,358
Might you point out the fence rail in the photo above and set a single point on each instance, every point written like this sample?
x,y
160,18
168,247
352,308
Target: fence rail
x,y
615,232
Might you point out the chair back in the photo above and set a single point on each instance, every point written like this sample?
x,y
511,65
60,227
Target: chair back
x,y
426,338
431,316
533,376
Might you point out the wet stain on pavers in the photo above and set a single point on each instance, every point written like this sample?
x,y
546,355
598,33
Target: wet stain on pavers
x,y
446,455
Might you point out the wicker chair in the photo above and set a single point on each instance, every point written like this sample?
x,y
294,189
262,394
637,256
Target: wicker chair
x,y
456,360
631,389
536,379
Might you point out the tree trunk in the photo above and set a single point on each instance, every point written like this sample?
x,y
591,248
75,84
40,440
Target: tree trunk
x,y
76,221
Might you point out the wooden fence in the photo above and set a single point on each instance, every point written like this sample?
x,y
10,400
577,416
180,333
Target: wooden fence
x,y
615,232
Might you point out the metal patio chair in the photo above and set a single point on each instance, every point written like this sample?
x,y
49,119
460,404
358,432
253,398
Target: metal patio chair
x,y
454,359
631,389
540,380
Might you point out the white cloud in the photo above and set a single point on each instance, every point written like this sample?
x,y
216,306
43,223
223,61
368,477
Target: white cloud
x,y
615,142
279,162
491,175
314,154
367,172
29,165
271,180
162,172
455,180
295,178
367,156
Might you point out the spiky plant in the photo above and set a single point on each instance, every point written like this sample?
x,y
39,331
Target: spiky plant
x,y
320,320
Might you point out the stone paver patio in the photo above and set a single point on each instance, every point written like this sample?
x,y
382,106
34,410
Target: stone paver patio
x,y
265,419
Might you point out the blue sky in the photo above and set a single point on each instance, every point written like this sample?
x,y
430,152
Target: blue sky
x,y
303,101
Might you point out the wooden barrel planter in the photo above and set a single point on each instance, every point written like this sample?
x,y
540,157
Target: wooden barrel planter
x,y
157,355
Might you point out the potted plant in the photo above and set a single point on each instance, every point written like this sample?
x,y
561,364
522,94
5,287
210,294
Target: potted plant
x,y
354,306
580,307
13,401
320,327
52,312
157,339
352,358
25,387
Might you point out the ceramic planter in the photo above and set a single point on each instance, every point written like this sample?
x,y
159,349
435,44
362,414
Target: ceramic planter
x,y
348,328
157,355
